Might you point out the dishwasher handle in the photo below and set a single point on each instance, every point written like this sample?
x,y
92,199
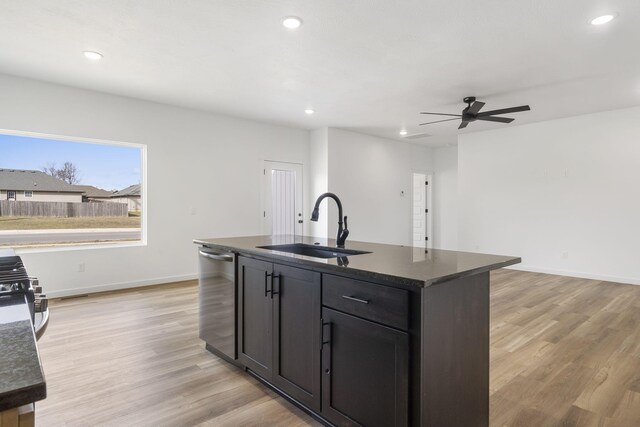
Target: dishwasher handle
x,y
217,257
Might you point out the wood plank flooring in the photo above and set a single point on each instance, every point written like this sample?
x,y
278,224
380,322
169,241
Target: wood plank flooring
x,y
564,352
133,358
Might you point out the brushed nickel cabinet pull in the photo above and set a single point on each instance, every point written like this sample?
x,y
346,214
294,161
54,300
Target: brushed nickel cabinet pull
x,y
361,301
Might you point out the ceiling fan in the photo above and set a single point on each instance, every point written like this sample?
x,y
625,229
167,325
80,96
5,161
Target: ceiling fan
x,y
472,113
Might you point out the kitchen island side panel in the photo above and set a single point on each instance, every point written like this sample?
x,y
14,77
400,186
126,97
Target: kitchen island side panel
x,y
455,353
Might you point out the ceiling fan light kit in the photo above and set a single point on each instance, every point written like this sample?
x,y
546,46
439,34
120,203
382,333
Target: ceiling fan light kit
x,y
471,113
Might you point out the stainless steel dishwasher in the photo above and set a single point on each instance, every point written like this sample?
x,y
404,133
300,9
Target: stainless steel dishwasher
x,y
217,299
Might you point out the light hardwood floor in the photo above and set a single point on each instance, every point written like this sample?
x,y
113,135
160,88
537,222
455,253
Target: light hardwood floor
x,y
564,352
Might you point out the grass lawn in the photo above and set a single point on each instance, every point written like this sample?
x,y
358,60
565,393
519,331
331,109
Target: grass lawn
x,y
47,223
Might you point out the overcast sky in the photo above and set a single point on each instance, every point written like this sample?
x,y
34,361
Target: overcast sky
x,y
109,167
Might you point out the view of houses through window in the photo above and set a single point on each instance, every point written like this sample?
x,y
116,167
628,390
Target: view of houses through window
x,y
57,192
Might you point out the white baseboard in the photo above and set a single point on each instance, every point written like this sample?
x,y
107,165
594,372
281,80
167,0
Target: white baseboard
x,y
627,280
118,286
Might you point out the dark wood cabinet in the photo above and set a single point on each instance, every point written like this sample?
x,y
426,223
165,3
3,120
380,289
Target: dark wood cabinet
x,y
381,304
279,327
358,353
296,326
255,315
365,372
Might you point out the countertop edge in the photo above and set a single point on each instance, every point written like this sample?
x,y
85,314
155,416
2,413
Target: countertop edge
x,y
364,274
474,271
30,393
23,396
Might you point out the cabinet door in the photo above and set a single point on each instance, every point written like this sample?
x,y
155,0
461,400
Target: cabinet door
x,y
296,326
255,349
365,376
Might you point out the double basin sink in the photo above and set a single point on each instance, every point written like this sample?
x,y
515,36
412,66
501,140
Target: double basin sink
x,y
313,250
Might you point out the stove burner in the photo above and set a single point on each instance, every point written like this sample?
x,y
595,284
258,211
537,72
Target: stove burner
x,y
15,281
13,276
11,287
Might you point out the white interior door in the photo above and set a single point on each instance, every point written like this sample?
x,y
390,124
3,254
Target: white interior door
x,y
282,210
421,218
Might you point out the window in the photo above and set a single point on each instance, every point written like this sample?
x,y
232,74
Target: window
x,y
70,184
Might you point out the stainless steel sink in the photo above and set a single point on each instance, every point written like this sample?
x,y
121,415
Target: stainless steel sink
x,y
314,251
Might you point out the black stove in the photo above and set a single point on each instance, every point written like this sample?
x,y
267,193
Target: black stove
x,y
15,282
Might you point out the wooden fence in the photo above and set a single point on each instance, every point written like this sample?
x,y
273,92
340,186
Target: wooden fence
x,y
62,209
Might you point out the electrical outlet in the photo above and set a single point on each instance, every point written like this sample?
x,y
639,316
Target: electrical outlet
x,y
565,255
81,267
193,211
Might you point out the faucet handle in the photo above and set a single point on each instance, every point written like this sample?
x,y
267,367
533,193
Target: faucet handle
x,y
342,235
345,232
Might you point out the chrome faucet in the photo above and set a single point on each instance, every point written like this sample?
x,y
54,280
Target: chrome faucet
x,y
342,233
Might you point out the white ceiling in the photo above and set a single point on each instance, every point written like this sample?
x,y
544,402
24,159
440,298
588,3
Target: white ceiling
x,y
365,65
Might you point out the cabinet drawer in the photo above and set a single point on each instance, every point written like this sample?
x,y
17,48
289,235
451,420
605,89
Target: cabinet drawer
x,y
382,304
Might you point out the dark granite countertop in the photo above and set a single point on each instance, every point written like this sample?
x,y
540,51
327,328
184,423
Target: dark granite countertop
x,y
21,377
392,263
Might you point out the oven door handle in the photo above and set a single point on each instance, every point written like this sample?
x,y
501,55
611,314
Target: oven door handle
x,y
42,325
217,257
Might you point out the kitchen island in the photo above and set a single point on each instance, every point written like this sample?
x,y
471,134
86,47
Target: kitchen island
x,y
392,336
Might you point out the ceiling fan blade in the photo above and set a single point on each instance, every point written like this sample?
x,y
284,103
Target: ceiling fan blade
x,y
496,119
475,107
463,125
504,111
444,114
437,121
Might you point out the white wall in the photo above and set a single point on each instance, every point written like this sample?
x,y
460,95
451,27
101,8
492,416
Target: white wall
x,y
563,194
196,161
368,174
445,198
319,179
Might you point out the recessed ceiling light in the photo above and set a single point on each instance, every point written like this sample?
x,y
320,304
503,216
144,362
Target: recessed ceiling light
x,y
291,22
94,56
403,132
309,111
604,19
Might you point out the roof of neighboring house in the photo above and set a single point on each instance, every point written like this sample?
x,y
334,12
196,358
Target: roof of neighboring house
x,y
91,191
130,191
30,180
